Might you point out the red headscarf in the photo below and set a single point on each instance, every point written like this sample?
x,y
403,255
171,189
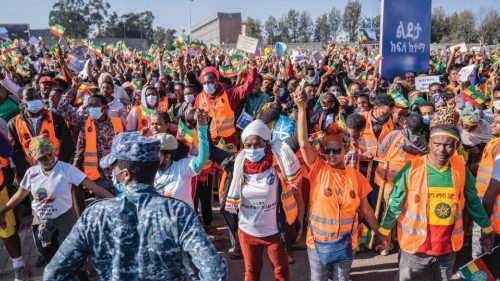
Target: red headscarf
x,y
209,69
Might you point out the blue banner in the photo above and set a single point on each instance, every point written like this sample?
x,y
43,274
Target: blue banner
x,y
405,36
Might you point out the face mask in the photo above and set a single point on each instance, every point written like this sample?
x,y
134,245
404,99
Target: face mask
x,y
209,88
282,92
119,186
351,67
427,119
151,100
254,155
496,104
189,98
337,94
95,112
310,80
34,106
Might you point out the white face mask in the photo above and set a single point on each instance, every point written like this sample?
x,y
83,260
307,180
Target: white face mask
x,y
151,100
496,104
189,98
209,88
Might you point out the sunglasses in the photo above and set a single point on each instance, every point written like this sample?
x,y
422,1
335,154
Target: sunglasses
x,y
328,150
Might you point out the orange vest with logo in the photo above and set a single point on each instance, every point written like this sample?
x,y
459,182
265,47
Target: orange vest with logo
x,y
90,161
142,121
392,161
222,115
486,167
326,220
47,128
412,222
367,141
163,104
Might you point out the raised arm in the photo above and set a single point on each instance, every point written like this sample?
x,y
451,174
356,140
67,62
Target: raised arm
x,y
308,153
200,160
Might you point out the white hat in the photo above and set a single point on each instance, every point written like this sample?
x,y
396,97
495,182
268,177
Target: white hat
x,y
256,128
167,141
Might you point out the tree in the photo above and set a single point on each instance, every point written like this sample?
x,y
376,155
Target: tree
x,y
322,29
488,27
98,13
292,22
72,14
438,26
334,21
466,26
351,19
132,25
305,27
253,28
283,32
271,29
164,36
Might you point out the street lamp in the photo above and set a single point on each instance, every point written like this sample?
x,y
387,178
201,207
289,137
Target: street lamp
x,y
189,9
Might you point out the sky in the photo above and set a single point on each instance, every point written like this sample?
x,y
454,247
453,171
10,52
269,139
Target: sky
x,y
175,13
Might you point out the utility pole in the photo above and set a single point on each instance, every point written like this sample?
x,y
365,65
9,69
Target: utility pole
x,y
189,9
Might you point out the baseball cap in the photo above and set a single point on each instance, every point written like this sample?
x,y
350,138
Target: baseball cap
x,y
167,141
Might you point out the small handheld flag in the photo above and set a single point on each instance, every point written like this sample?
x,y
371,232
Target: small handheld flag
x,y
473,95
57,30
400,100
185,132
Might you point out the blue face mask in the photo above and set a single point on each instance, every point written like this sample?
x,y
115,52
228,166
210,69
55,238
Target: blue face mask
x,y
209,88
282,92
310,80
95,113
254,155
34,106
427,119
119,186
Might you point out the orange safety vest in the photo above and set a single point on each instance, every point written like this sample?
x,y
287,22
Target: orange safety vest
x,y
486,167
412,222
287,196
367,141
90,161
24,134
222,115
392,161
163,104
4,162
327,221
142,121
495,217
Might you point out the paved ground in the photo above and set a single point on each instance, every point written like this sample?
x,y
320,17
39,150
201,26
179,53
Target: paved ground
x,y
366,266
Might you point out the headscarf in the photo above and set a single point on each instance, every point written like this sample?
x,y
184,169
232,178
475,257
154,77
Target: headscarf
x,y
286,159
209,69
40,146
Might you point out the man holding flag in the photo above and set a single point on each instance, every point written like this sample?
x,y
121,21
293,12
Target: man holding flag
x,y
427,201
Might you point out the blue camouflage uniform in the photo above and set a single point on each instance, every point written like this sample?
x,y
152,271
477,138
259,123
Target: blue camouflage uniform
x,y
138,236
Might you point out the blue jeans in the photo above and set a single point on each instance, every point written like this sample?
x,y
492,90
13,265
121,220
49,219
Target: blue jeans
x,y
319,272
107,184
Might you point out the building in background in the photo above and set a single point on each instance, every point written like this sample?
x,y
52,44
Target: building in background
x,y
220,28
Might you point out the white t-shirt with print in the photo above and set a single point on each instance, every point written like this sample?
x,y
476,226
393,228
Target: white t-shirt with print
x,y
51,192
176,181
257,215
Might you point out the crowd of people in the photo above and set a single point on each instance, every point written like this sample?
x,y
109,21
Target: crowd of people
x,y
307,150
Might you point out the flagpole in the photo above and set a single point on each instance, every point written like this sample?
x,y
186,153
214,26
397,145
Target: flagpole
x,y
482,255
189,9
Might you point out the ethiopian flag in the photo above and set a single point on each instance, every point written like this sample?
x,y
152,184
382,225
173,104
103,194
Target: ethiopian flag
x,y
361,78
145,58
473,95
237,59
96,50
57,30
476,270
184,132
227,71
346,88
8,47
400,100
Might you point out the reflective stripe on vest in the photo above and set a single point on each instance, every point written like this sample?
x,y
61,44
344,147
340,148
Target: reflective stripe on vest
x,y
46,127
367,141
287,199
222,115
413,219
495,217
486,167
90,159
